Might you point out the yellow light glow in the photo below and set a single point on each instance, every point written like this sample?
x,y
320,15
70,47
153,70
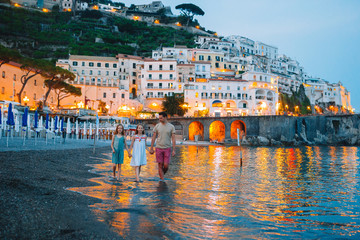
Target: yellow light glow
x,y
154,104
45,10
107,106
136,18
26,99
263,104
178,24
95,7
198,27
17,5
80,104
156,21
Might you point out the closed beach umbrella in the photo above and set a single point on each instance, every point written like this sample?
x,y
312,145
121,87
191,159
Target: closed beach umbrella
x,y
90,129
84,129
41,123
1,118
77,127
36,119
47,122
25,123
62,124
52,125
24,118
68,126
56,123
10,120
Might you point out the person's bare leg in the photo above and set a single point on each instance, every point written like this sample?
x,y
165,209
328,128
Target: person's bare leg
x,y
137,173
161,171
114,170
165,168
119,171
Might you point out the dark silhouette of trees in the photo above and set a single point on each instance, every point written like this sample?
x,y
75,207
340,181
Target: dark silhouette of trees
x,y
189,10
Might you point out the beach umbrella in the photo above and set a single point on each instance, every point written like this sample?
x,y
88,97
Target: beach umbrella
x,y
47,122
10,122
52,125
35,124
62,124
36,120
84,129
24,118
56,123
1,122
77,128
17,123
25,122
90,130
68,126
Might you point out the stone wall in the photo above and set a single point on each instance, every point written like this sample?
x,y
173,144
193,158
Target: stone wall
x,y
282,130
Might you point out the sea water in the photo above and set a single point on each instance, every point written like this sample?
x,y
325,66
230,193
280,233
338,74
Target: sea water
x,y
278,193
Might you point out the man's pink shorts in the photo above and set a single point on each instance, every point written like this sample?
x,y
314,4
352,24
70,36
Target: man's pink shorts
x,y
163,155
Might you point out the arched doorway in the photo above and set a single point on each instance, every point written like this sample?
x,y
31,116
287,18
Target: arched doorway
x,y
196,128
133,93
234,126
217,131
178,128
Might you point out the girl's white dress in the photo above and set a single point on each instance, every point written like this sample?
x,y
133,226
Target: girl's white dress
x,y
139,151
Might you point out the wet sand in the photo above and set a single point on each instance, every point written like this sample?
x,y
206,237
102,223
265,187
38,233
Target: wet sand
x,y
34,203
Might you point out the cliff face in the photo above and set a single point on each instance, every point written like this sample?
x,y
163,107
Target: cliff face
x,y
311,130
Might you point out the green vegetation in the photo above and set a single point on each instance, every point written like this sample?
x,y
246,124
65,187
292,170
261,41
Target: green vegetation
x,y
56,34
297,103
174,105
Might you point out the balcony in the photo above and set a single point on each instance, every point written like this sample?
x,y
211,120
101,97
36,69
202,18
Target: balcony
x,y
160,87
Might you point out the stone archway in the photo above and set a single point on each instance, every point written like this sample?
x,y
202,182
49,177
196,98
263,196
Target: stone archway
x,y
234,126
196,128
217,131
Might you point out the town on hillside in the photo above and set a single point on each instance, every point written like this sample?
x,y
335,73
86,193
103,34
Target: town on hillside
x,y
221,76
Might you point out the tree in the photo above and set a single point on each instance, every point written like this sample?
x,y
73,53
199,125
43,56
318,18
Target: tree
x,y
55,78
31,68
189,10
174,105
64,90
7,55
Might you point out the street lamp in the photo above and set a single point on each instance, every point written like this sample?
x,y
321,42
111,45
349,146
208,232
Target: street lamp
x,y
26,99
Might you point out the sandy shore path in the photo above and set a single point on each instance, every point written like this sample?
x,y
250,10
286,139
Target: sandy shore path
x,y
34,203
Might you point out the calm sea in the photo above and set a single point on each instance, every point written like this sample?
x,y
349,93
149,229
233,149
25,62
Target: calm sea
x,y
277,193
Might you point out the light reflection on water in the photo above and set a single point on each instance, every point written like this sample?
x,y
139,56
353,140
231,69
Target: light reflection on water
x,y
278,193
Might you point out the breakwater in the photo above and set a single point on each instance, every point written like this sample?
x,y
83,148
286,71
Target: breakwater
x,y
270,130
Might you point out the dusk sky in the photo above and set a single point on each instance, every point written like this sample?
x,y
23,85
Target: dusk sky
x,y
322,35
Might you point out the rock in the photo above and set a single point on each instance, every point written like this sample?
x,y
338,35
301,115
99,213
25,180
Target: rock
x,y
263,141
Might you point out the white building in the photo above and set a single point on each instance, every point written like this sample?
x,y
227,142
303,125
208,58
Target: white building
x,y
321,92
263,49
180,53
230,97
158,78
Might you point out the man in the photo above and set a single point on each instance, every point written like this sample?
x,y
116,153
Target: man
x,y
164,134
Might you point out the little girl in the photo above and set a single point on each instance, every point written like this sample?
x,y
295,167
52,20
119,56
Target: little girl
x,y
138,141
117,144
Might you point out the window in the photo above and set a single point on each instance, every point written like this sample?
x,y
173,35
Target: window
x,y
217,58
217,65
114,73
150,76
123,95
160,76
106,65
14,77
91,64
3,74
228,87
107,73
244,105
35,82
83,64
114,65
75,63
114,95
203,68
201,57
150,67
204,87
160,67
3,90
133,81
196,104
104,94
134,65
171,67
34,96
122,63
196,94
160,85
99,64
90,72
171,76
83,72
134,74
225,66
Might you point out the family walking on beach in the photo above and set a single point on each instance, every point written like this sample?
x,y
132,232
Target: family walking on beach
x,y
163,134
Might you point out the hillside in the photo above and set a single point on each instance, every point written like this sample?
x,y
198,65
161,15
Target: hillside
x,y
54,35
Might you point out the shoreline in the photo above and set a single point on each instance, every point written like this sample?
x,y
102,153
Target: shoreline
x,y
35,203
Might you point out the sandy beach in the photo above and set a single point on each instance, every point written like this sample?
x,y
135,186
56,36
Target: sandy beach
x,y
34,203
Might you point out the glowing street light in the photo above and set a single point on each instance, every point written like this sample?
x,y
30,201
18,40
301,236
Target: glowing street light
x,y
26,100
